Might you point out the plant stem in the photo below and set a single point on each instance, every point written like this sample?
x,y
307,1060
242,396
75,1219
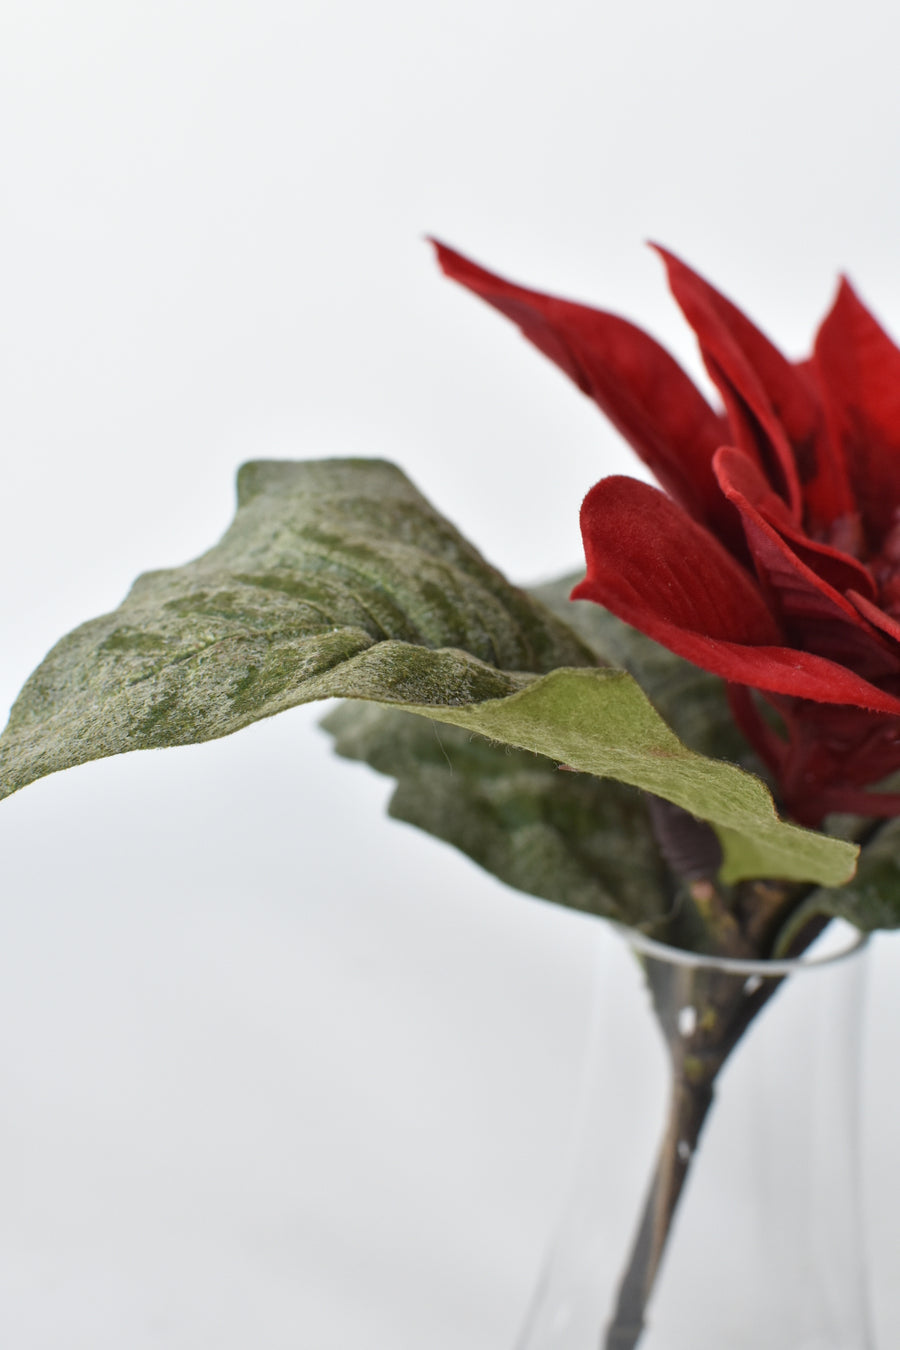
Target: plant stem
x,y
688,1109
724,1011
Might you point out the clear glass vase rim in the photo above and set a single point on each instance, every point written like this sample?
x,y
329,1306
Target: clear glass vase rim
x,y
772,969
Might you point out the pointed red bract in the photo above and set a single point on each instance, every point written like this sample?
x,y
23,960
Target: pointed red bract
x,y
631,378
839,570
661,572
774,561
666,567
858,367
813,614
724,336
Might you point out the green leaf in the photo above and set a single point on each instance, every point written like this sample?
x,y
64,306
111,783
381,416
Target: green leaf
x,y
570,838
691,701
338,579
335,578
601,722
870,901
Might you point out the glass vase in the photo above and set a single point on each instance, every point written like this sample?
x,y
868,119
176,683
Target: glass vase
x,y
713,1192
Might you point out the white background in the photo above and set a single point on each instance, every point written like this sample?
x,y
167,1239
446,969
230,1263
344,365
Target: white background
x,y
275,1071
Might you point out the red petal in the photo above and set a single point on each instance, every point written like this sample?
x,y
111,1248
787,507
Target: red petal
x,y
838,569
859,802
658,570
829,503
876,616
640,388
858,367
834,754
815,615
770,407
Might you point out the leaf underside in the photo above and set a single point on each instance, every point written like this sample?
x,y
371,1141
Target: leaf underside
x,y
600,722
337,578
573,839
690,700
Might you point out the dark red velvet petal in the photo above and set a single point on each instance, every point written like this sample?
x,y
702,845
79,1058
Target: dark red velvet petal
x,y
840,570
814,615
830,507
885,622
658,570
858,368
835,753
859,802
640,388
773,413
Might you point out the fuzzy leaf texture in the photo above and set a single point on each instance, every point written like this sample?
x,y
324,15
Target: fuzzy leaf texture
x,y
690,700
870,901
337,578
578,841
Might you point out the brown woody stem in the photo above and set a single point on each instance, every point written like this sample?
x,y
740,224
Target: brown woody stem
x,y
687,1111
724,1012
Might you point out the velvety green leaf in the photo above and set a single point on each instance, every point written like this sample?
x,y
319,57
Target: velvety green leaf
x,y
336,577
691,701
571,838
870,901
600,722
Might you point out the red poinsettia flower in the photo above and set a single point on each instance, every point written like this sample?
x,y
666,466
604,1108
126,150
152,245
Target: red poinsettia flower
x,y
772,557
